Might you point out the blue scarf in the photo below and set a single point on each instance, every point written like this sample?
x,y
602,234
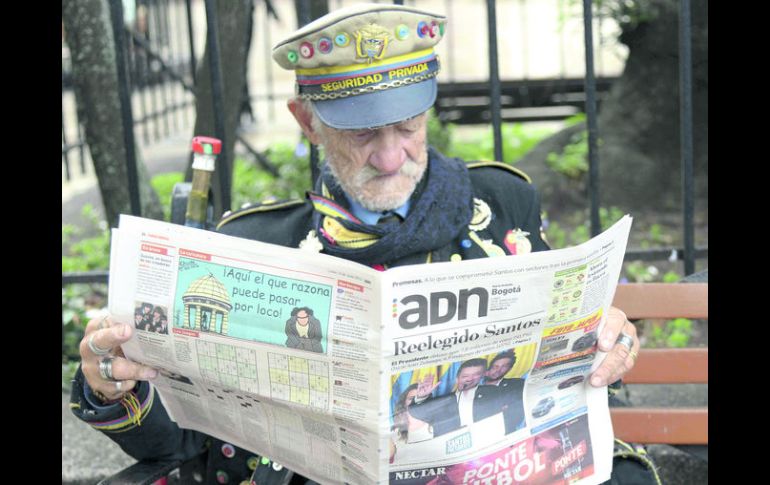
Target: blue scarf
x,y
441,207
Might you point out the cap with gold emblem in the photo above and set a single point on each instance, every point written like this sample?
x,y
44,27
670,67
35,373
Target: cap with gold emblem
x,y
366,66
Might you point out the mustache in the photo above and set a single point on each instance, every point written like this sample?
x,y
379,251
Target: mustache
x,y
410,169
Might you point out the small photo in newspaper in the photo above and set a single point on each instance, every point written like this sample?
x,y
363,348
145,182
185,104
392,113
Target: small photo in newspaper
x,y
149,317
442,410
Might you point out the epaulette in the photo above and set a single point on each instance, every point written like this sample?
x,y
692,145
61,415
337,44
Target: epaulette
x,y
264,206
510,168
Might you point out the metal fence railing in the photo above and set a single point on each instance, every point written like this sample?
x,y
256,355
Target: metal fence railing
x,y
155,62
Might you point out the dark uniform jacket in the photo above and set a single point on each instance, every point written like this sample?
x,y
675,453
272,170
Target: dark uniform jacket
x,y
506,221
443,412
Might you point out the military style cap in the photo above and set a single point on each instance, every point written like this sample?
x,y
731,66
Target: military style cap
x,y
366,66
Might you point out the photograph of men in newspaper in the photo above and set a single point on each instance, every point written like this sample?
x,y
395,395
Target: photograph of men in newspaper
x,y
482,396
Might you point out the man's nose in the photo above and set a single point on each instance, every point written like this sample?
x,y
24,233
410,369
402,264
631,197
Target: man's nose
x,y
389,153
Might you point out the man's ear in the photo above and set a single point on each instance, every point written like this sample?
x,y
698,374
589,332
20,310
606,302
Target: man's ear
x,y
305,120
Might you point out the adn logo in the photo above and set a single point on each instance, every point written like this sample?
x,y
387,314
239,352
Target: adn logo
x,y
424,311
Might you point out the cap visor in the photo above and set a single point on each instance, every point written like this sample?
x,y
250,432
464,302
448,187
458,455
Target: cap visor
x,y
380,108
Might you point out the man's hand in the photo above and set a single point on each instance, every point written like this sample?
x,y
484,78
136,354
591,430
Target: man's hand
x,y
426,387
619,359
109,336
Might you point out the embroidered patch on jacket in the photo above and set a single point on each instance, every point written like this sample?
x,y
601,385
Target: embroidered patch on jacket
x,y
516,241
482,215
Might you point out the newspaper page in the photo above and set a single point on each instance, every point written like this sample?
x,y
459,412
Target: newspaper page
x,y
502,348
265,347
317,362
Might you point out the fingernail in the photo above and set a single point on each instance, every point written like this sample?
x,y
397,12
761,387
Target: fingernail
x,y
596,381
607,342
120,330
149,374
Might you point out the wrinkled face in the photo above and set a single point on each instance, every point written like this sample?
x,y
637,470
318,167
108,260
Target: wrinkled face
x,y
469,377
378,168
302,317
499,369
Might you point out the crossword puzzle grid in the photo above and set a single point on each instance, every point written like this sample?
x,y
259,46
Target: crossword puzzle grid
x,y
299,380
228,365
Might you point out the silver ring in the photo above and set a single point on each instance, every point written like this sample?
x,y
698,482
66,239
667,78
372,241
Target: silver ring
x,y
96,350
105,369
119,385
625,340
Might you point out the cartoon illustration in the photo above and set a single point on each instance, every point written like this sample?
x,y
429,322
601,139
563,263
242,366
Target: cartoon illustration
x,y
303,330
207,305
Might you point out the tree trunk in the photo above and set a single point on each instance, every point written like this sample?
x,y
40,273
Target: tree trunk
x,y
88,30
232,22
639,122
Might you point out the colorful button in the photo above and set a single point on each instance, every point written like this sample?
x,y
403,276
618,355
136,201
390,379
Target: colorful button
x,y
252,463
228,450
245,482
222,477
277,466
433,29
306,50
292,57
466,243
342,39
325,45
455,258
265,460
441,28
422,29
402,32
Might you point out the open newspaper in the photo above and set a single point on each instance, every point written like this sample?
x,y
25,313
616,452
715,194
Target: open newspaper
x,y
347,374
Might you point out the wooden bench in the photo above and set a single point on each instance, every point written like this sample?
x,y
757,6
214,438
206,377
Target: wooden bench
x,y
665,425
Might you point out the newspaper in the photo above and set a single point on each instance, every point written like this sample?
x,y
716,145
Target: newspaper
x,y
347,374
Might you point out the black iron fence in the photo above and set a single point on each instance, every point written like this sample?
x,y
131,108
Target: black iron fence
x,y
160,69
155,62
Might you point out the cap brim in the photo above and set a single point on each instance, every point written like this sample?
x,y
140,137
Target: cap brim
x,y
380,108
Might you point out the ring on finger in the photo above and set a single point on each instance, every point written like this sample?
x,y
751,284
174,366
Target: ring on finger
x,y
105,369
119,385
95,348
625,340
103,323
633,355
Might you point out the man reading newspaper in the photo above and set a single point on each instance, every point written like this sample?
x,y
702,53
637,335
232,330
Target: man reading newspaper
x,y
365,77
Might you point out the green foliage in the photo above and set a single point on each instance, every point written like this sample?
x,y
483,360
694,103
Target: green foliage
x,y
673,333
439,135
518,139
78,304
164,184
252,184
573,160
86,254
559,237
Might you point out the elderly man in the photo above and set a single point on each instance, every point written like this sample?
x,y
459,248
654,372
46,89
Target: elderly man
x,y
366,76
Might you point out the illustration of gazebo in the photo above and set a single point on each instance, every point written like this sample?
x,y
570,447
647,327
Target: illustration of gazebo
x,y
207,305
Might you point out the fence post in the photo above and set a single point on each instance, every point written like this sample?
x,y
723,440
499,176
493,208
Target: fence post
x,y
685,123
212,40
593,130
494,80
116,14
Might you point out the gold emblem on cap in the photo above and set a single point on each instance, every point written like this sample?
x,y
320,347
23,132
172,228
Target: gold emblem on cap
x,y
371,42
482,215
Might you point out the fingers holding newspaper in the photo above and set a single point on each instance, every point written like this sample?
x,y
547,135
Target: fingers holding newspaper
x,y
109,374
619,340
